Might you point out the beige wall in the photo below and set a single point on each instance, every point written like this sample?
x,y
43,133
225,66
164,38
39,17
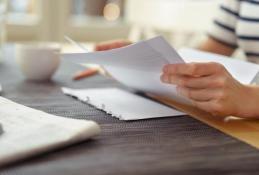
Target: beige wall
x,y
185,22
53,20
147,18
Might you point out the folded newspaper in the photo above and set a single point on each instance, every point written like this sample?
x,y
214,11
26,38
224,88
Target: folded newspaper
x,y
28,132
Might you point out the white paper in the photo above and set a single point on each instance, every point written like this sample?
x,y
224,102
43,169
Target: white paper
x,y
137,66
28,132
243,71
122,104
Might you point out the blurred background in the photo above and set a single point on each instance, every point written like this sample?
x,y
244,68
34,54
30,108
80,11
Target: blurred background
x,y
183,22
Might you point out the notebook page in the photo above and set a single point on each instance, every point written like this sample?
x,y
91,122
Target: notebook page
x,y
28,132
122,104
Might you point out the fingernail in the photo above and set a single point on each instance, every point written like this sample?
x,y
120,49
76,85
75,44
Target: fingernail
x,y
180,90
165,69
165,78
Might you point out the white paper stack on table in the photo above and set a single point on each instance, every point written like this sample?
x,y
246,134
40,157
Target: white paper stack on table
x,y
122,104
28,132
139,67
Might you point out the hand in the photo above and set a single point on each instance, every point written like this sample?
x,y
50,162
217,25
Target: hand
x,y
108,45
102,47
211,88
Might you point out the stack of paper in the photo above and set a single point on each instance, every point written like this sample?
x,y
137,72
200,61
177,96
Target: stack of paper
x,y
122,104
29,132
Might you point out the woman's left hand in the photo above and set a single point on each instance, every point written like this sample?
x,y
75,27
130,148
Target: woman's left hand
x,y
211,88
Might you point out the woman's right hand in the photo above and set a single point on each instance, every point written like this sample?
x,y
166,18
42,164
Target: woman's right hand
x,y
108,45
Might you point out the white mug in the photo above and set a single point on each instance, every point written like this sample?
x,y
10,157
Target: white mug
x,y
38,61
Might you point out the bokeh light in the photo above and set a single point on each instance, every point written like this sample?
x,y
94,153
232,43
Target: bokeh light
x,y
111,11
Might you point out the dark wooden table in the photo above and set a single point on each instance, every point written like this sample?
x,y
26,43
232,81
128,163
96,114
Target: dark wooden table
x,y
176,145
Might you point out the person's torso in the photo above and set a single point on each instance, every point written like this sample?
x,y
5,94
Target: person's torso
x,y
247,29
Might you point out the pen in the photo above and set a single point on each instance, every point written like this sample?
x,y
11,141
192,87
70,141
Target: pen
x,y
86,73
75,43
1,129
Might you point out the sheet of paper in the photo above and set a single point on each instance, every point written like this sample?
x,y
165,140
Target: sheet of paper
x,y
137,66
243,71
122,104
29,132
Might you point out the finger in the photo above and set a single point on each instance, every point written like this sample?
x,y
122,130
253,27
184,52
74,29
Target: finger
x,y
193,69
102,47
111,45
165,79
199,94
191,82
212,107
119,44
203,105
98,48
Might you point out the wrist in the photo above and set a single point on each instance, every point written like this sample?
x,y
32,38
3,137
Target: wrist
x,y
249,104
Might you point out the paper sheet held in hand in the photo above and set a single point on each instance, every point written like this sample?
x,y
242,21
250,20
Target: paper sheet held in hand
x,y
139,66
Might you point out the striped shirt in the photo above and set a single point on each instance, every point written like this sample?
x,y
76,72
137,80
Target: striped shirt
x,y
237,25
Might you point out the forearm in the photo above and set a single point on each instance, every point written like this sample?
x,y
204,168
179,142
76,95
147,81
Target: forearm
x,y
213,46
249,104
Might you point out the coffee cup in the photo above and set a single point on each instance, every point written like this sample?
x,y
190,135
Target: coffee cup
x,y
38,61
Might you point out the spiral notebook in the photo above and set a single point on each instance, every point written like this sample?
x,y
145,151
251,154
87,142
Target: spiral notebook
x,y
122,104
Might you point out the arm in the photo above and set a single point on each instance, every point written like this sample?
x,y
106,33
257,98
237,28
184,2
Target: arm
x,y
210,45
214,46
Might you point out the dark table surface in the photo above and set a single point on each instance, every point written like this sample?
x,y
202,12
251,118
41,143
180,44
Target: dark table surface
x,y
176,145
